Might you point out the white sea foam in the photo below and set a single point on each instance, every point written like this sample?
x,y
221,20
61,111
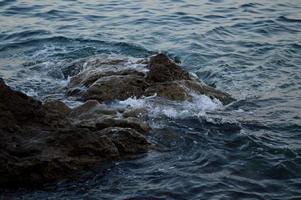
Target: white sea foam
x,y
157,107
106,62
30,92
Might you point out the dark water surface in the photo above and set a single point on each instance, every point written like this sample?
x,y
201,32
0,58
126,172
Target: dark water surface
x,y
251,49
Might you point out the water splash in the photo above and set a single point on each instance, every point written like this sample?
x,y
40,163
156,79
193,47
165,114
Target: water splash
x,y
158,107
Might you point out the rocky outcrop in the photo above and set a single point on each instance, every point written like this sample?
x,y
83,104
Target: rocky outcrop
x,y
163,78
113,87
43,142
48,142
95,116
172,90
162,69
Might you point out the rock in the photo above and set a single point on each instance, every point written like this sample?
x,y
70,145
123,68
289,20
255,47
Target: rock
x,y
59,154
133,123
48,142
164,78
18,107
92,109
42,143
73,68
101,122
116,87
87,78
79,84
170,90
211,92
56,106
93,69
140,113
124,138
182,90
52,155
55,113
162,69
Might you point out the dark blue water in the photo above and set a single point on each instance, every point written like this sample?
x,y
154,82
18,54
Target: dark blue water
x,y
251,49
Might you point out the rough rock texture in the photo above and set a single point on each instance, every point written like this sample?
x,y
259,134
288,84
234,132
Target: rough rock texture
x,y
47,142
43,142
172,90
95,116
121,87
164,78
163,69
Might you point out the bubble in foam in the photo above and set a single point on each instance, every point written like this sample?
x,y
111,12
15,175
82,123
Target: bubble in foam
x,y
133,102
157,106
30,92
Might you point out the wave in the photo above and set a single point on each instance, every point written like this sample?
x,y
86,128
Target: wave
x,y
101,45
158,107
290,20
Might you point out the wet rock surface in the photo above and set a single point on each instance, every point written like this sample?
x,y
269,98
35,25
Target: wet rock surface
x,y
47,142
113,87
163,69
109,81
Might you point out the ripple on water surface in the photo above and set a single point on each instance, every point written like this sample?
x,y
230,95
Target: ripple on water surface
x,y
247,150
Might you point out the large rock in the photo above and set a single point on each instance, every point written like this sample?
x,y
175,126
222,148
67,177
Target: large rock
x,y
43,142
48,142
75,67
17,107
124,138
95,116
163,77
172,90
116,87
163,69
52,155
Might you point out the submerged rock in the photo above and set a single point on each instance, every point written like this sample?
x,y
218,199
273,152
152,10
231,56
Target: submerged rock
x,y
46,142
163,78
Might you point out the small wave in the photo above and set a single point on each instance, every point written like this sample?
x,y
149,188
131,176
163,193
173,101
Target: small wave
x,y
108,62
25,34
22,9
216,1
220,32
34,42
6,2
51,14
158,107
250,5
286,19
214,17
57,40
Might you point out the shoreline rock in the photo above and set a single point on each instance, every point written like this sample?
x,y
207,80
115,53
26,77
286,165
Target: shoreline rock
x,y
163,78
46,142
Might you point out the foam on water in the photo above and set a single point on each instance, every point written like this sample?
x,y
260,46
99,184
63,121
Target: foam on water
x,y
247,150
158,107
113,62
